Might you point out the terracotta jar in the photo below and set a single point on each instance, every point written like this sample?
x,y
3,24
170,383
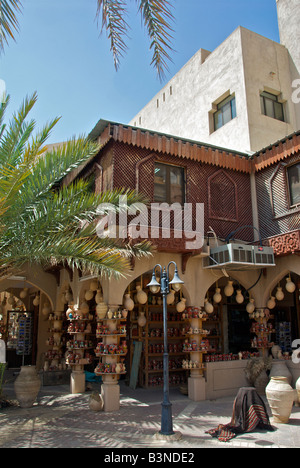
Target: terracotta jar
x,y
101,310
142,297
27,386
280,396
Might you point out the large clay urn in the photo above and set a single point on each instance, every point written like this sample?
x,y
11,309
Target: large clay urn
x,y
280,396
27,386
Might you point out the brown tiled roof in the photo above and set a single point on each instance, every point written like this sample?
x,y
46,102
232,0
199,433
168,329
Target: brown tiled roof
x,y
105,130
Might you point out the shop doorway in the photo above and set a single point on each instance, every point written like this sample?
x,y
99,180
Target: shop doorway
x,y
239,325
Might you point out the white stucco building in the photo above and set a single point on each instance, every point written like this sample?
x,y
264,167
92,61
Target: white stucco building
x,y
240,96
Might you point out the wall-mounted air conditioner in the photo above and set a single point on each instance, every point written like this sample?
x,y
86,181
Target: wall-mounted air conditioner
x,y
239,257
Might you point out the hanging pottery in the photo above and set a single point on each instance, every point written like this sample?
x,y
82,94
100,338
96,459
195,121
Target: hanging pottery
x,y
290,286
46,309
101,310
208,307
142,297
84,307
142,319
271,303
36,300
217,297
180,307
239,297
279,294
280,396
250,307
171,297
89,294
229,289
23,293
128,302
98,297
94,285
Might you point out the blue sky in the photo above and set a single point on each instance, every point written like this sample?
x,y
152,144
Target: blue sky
x,y
60,55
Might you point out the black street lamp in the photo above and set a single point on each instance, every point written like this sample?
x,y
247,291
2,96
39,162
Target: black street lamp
x,y
155,286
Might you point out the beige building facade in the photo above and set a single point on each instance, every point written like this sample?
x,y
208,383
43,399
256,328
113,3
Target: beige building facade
x,y
243,67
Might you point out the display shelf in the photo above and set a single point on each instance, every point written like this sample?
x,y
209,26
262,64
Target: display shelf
x,y
110,351
79,348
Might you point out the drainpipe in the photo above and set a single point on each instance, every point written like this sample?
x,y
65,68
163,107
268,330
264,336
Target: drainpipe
x,y
254,205
137,170
101,174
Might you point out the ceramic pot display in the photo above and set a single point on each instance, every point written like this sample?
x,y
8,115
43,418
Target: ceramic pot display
x,y
229,289
280,396
142,297
180,307
101,310
89,295
27,386
128,303
217,296
239,297
96,402
171,297
142,319
98,297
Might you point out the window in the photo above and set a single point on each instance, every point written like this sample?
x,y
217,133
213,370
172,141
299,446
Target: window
x,y
293,173
271,107
226,111
168,184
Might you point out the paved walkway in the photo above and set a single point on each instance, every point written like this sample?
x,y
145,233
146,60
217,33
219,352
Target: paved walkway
x,y
63,420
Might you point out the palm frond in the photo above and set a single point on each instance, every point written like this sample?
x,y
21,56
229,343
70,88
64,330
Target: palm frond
x,y
112,14
157,16
9,24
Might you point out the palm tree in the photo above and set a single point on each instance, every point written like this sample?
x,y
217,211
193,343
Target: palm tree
x,y
156,17
45,221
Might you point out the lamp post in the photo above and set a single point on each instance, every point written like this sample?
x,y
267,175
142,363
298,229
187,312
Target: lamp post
x,y
155,286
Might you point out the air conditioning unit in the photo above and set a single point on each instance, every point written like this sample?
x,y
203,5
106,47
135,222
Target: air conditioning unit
x,y
239,257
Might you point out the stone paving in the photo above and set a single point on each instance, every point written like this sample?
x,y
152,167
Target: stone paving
x,y
62,420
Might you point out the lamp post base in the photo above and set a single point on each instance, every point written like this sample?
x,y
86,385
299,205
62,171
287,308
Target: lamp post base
x,y
175,436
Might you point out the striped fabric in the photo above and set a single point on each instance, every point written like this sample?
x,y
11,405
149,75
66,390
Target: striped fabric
x,y
249,413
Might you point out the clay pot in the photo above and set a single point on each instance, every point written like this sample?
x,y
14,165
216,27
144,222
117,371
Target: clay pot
x,y
96,402
280,396
280,369
142,297
142,319
101,310
98,297
217,296
89,295
128,303
27,386
171,297
180,307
